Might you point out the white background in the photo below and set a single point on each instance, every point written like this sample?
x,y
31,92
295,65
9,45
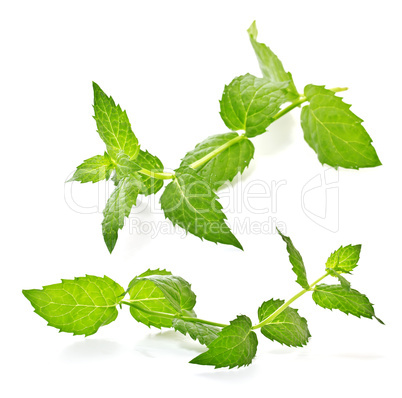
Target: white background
x,y
166,62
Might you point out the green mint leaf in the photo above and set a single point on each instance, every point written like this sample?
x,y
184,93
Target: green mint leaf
x,y
157,271
270,65
160,292
224,166
113,126
126,167
236,345
249,103
189,201
79,306
150,162
344,259
205,334
227,163
94,169
296,260
144,160
334,132
349,301
287,328
343,281
119,206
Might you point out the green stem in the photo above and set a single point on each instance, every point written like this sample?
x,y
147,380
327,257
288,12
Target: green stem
x,y
293,105
300,101
158,176
286,305
338,89
190,319
216,151
172,316
222,325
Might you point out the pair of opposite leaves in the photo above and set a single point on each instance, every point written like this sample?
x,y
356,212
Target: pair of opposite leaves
x,y
248,104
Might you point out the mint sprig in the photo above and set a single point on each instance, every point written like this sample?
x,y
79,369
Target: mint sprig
x,y
249,105
159,299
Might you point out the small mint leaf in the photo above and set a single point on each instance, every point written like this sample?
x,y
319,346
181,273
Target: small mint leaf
x,y
113,126
236,345
270,65
119,206
249,103
157,271
152,163
94,169
296,260
130,168
287,328
344,259
126,167
349,301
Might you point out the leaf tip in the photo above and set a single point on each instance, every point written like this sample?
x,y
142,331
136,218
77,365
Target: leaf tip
x,y
194,361
252,30
27,294
280,233
110,245
95,87
236,243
